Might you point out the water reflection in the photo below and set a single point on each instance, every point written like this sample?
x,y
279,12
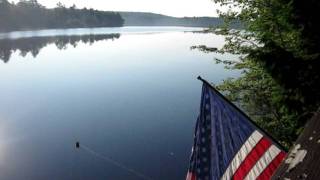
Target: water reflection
x,y
136,102
34,45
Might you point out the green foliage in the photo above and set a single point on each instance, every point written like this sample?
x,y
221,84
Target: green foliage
x,y
261,98
29,14
279,56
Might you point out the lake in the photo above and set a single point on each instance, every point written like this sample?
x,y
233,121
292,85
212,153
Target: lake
x,y
129,96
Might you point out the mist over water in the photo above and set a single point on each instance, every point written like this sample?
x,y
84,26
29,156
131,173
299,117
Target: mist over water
x,y
129,94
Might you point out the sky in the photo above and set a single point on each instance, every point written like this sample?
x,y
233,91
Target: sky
x,y
177,8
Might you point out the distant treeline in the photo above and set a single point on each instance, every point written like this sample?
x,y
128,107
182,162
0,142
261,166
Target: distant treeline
x,y
151,19
29,14
33,45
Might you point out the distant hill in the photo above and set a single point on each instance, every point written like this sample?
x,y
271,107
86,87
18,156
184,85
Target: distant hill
x,y
151,19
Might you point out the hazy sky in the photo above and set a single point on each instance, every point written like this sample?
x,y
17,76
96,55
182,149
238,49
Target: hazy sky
x,y
168,7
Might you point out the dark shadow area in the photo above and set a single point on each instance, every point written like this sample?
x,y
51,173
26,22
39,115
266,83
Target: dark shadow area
x,y
34,45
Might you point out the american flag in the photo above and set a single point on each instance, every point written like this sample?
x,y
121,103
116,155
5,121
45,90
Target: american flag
x,y
228,145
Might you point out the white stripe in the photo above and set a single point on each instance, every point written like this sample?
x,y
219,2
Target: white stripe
x,y
246,148
263,162
189,176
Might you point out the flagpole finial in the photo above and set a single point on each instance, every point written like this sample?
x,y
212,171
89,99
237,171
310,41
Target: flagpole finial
x,y
199,78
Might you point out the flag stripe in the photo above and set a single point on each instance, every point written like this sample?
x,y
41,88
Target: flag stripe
x,y
263,162
190,176
242,154
230,130
228,145
257,152
268,172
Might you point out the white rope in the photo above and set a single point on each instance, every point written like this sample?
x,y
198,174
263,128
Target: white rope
x,y
110,160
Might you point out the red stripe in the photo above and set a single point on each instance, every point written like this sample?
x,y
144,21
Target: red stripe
x,y
251,159
191,176
270,169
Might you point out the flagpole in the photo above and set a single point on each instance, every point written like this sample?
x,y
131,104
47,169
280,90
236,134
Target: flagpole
x,y
245,115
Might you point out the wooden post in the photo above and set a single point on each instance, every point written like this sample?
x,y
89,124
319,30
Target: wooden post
x,y
303,160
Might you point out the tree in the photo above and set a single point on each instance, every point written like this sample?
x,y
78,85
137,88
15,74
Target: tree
x,y
29,14
279,57
4,14
60,5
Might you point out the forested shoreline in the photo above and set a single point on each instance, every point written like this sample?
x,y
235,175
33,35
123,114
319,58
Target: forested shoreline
x,y
153,19
29,14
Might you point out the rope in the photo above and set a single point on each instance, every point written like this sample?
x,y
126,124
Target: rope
x,y
115,163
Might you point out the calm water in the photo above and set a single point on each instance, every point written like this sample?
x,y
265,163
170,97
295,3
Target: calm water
x,y
129,94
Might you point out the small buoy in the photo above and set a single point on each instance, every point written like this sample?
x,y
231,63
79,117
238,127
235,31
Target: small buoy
x,y
77,145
